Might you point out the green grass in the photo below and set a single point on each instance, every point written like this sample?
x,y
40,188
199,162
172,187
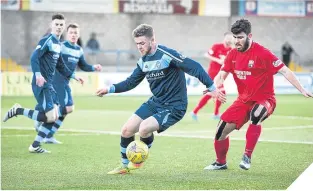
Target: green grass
x,y
82,162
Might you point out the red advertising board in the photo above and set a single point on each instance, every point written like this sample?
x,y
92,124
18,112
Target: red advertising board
x,y
159,6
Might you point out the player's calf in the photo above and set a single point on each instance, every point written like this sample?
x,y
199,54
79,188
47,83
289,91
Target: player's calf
x,y
17,109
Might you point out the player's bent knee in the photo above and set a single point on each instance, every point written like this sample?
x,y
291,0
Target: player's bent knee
x,y
148,126
128,130
70,109
143,131
257,114
220,128
51,116
224,129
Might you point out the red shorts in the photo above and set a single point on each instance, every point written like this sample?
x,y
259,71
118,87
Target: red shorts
x,y
239,112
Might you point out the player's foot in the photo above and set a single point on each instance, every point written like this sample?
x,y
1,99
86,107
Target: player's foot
x,y
216,166
133,166
216,117
37,149
12,112
51,140
194,116
37,125
245,162
120,170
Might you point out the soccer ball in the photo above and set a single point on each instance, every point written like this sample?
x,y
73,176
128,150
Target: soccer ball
x,y
137,152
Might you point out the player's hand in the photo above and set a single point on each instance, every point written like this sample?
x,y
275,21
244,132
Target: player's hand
x,y
101,92
79,79
222,59
40,80
307,94
97,67
216,94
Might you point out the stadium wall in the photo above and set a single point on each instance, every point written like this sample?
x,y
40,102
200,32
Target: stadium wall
x,y
19,84
21,30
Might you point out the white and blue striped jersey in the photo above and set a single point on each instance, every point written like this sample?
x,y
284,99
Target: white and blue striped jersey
x,y
46,58
73,56
165,71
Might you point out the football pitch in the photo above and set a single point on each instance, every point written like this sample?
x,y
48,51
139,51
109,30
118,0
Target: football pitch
x,y
90,149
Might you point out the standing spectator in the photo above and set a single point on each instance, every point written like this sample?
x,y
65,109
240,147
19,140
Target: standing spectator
x,y
286,52
93,47
93,44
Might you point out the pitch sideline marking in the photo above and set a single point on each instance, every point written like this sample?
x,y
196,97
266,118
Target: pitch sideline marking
x,y
97,132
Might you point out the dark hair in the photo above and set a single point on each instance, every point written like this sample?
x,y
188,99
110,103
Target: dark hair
x,y
72,25
242,25
228,33
143,30
58,16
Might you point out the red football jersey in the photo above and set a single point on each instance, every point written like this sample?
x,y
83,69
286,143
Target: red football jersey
x,y
253,72
217,50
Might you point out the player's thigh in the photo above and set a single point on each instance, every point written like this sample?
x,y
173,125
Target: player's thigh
x,y
61,94
131,126
68,99
167,117
148,126
45,99
224,129
263,109
237,113
68,96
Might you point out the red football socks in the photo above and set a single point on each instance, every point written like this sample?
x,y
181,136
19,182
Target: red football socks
x,y
252,136
221,149
202,103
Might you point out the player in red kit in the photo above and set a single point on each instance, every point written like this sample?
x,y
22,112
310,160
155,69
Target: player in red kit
x,y
253,68
217,55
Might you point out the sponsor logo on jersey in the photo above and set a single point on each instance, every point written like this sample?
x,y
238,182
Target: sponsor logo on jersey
x,y
158,64
155,75
72,59
277,63
250,63
242,74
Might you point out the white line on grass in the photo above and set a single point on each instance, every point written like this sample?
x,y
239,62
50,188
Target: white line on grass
x,y
201,114
172,134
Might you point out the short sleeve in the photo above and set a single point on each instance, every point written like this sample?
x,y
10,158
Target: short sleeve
x,y
212,50
273,64
228,63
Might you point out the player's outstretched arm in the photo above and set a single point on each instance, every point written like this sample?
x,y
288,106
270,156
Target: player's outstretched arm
x,y
82,64
220,78
195,69
65,71
290,76
213,58
130,83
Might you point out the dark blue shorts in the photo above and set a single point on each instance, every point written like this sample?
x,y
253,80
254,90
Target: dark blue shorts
x,y
165,115
46,98
64,93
